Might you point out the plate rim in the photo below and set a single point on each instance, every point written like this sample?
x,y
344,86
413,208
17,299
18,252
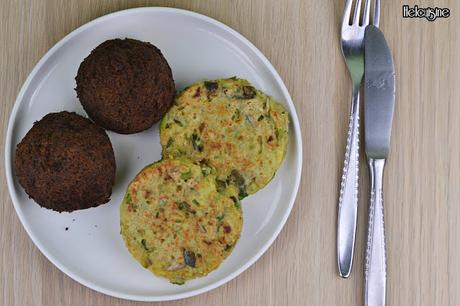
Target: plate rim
x,y
167,297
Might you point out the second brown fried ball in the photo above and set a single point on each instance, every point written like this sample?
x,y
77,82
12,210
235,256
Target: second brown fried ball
x,y
125,85
66,162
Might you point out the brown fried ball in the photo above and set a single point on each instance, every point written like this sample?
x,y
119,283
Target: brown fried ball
x,y
125,85
66,162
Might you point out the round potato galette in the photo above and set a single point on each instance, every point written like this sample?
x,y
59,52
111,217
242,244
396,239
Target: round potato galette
x,y
175,223
231,126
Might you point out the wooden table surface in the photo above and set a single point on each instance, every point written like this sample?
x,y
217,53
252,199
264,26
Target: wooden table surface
x,y
301,39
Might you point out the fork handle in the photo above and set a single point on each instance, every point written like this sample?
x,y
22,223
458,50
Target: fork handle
x,y
348,199
375,266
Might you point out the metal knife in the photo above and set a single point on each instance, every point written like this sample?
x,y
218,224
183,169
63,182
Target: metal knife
x,y
379,100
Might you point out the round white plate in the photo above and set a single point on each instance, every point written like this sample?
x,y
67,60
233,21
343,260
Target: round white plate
x,y
91,250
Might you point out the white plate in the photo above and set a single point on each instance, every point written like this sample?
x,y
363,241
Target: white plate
x,y
91,251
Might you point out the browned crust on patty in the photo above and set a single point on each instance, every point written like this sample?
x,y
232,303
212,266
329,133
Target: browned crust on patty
x,y
125,85
66,162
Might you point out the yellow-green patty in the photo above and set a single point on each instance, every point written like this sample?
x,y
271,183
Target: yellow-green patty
x,y
175,223
231,126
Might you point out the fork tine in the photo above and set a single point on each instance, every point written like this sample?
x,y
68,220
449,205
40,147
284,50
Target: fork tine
x,y
357,12
346,13
367,9
376,18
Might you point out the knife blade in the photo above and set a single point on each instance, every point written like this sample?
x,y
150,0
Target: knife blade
x,y
379,100
379,93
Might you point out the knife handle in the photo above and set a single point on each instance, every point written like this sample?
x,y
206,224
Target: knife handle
x,y
375,266
348,199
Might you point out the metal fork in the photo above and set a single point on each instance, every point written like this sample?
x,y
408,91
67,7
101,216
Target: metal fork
x,y
352,39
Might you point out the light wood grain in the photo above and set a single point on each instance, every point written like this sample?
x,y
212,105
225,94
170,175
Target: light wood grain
x,y
301,39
